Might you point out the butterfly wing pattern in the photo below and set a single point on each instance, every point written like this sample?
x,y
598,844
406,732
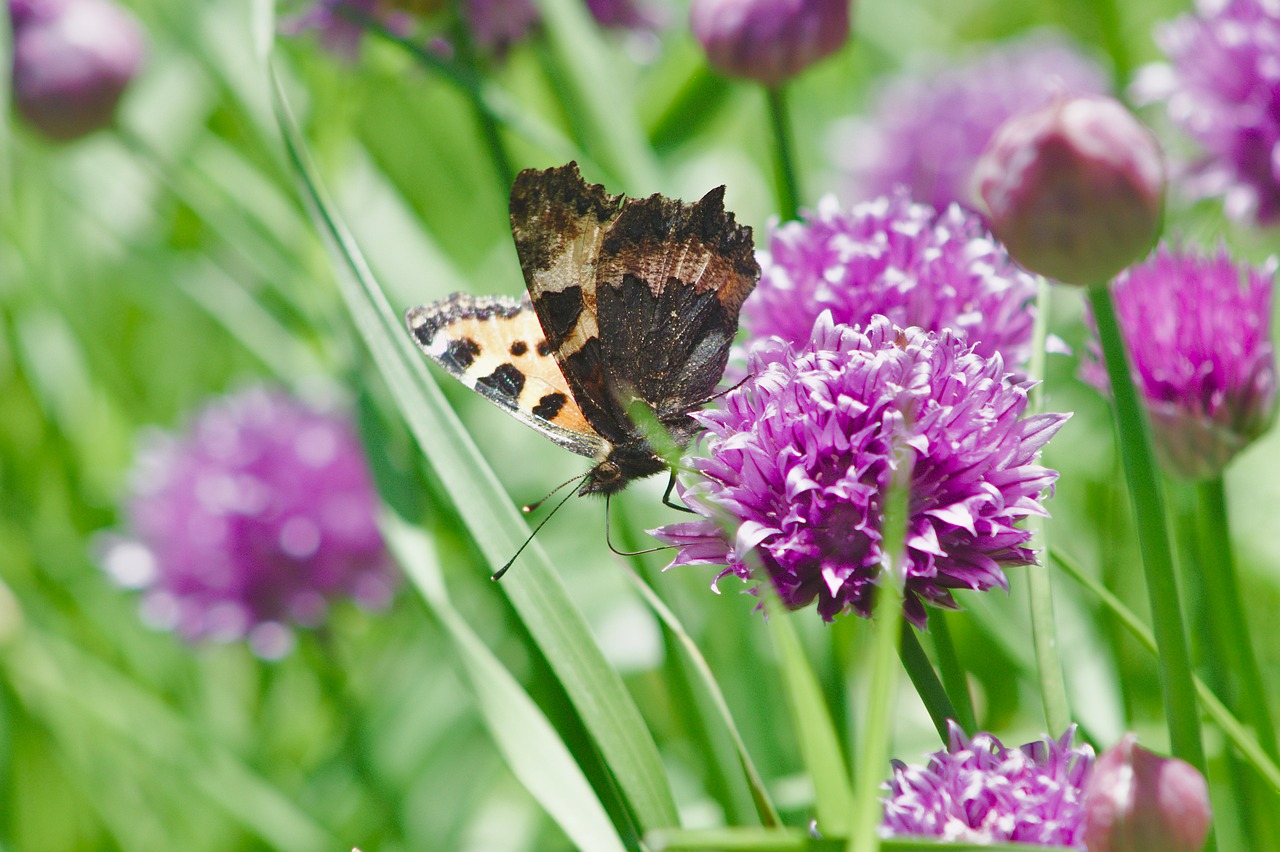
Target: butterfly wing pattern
x,y
634,299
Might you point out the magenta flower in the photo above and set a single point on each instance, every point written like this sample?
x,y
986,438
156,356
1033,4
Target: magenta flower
x,y
254,519
906,261
1198,331
979,791
1222,87
799,459
925,132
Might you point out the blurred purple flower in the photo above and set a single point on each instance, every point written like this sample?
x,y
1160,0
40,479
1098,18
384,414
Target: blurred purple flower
x,y
493,25
1198,332
926,131
1137,800
254,519
801,456
72,60
1222,87
916,266
979,791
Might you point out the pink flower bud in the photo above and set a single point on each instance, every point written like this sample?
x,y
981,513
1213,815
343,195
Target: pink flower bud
x,y
71,63
1137,801
769,41
1074,190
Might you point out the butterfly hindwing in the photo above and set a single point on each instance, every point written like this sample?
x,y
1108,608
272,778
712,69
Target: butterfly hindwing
x,y
496,346
639,297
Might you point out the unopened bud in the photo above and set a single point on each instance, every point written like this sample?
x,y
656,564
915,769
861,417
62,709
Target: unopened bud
x,y
769,41
72,60
1137,801
1074,190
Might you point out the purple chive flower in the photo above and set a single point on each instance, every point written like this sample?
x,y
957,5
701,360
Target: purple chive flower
x,y
341,24
1222,87
1075,189
1138,800
926,132
1198,331
979,791
72,61
916,266
799,459
768,41
254,519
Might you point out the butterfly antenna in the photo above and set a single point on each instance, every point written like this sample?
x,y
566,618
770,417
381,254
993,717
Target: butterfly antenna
x,y
497,575
533,507
607,540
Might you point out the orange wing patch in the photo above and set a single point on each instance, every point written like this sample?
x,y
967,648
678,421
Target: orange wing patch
x,y
496,346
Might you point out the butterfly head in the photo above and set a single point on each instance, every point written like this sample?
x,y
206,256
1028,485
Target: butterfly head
x,y
625,462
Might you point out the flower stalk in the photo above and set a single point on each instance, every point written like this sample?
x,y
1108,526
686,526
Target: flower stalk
x,y
1147,498
784,165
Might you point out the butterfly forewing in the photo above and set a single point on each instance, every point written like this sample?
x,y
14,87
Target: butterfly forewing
x,y
496,346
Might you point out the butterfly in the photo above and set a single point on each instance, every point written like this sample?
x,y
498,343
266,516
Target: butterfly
x,y
629,299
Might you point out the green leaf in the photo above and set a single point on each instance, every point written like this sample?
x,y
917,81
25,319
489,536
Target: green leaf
x,y
535,591
536,754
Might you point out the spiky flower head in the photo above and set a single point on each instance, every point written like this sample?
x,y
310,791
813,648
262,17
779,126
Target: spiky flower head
x,y
800,457
980,791
1198,331
1075,189
925,131
72,61
768,41
1222,87
894,257
253,520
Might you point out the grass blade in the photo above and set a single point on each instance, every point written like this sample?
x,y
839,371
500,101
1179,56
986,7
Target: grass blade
x,y
535,591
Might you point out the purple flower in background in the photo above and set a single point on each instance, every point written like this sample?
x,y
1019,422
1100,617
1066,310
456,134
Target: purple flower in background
x,y
1198,331
495,25
254,519
768,41
916,266
799,459
1222,87
979,791
926,131
72,61
341,24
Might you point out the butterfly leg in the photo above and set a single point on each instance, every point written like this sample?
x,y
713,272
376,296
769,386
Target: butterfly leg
x,y
666,496
607,540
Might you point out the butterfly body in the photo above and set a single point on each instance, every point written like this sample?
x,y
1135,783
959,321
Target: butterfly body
x,y
628,299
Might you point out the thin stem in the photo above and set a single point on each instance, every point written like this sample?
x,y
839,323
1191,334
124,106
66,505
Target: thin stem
x,y
1147,498
925,680
1044,634
783,154
953,675
873,756
498,156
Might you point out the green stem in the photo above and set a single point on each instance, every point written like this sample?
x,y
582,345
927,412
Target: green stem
x,y
1222,594
784,155
873,756
925,680
954,678
1147,498
1044,634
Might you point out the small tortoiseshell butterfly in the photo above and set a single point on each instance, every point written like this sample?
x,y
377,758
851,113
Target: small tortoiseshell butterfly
x,y
629,298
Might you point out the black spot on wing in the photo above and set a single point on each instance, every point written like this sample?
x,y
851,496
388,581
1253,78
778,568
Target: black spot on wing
x,y
506,381
549,406
559,312
519,348
544,348
461,353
